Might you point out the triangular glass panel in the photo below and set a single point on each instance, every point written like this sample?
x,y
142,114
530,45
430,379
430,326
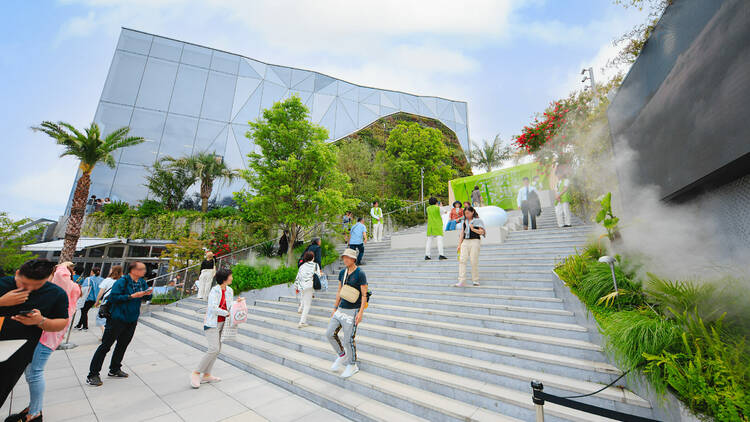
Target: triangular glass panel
x,y
393,97
385,101
303,96
347,90
322,81
408,104
374,108
351,109
368,95
320,106
385,111
247,71
232,155
271,94
427,107
251,109
271,76
284,73
457,115
242,91
330,89
208,134
260,68
329,120
445,110
300,76
366,115
240,135
344,123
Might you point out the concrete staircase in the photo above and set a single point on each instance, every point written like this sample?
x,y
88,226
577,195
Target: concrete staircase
x,y
429,351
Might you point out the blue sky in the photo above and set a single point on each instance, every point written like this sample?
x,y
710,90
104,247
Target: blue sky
x,y
506,58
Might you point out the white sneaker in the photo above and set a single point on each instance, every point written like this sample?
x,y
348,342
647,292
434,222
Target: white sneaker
x,y
338,364
349,371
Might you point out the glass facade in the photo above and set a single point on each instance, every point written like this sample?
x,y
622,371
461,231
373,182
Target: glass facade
x,y
184,99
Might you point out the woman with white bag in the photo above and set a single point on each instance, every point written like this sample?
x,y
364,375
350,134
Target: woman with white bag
x,y
304,283
220,301
208,271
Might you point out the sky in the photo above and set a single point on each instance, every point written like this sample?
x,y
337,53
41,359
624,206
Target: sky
x,y
506,58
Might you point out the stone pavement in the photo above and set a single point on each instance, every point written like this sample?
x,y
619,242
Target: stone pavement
x,y
158,388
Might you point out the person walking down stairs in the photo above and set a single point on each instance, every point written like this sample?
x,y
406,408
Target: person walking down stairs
x,y
220,300
468,246
377,222
348,309
528,203
434,230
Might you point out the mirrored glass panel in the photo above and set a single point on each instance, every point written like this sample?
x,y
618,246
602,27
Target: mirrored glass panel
x,y
129,184
225,62
124,78
166,49
219,96
196,55
135,42
189,86
211,137
112,116
179,135
156,86
148,124
101,180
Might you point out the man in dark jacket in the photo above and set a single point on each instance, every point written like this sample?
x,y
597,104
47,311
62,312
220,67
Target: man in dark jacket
x,y
315,249
125,307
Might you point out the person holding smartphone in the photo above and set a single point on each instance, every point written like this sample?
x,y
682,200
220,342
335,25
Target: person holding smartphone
x,y
125,301
468,246
29,304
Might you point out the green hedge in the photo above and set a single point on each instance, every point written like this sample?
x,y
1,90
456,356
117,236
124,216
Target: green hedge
x,y
246,277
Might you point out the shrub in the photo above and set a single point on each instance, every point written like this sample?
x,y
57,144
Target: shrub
x,y
594,250
247,277
597,283
115,208
266,249
149,207
572,269
224,212
630,334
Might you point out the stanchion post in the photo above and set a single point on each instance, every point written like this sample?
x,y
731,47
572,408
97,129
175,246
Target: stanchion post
x,y
68,345
538,402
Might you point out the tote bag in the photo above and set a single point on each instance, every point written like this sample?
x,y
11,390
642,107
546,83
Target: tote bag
x,y
238,313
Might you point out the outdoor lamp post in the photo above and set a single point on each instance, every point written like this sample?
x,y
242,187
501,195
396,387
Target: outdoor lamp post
x,y
611,261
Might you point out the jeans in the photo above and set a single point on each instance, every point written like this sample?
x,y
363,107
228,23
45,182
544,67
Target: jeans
x,y
35,378
450,226
83,321
116,330
361,249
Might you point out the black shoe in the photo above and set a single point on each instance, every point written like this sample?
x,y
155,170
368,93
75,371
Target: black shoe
x,y
117,374
18,417
94,380
427,258
567,225
442,257
36,419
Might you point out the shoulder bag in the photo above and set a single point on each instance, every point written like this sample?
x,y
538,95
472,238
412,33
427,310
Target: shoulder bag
x,y
104,311
349,293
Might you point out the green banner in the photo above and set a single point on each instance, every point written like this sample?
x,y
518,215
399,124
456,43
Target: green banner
x,y
499,187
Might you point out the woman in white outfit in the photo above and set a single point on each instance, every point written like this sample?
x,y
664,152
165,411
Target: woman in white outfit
x,y
304,285
208,270
220,300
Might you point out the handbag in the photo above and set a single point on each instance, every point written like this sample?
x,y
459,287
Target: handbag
x,y
238,312
104,311
349,293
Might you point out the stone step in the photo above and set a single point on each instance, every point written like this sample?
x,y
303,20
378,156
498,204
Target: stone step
x,y
461,294
534,326
467,384
374,268
339,399
515,339
405,283
434,264
450,278
530,358
407,398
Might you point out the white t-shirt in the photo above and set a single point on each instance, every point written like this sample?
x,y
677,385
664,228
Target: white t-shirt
x,y
105,285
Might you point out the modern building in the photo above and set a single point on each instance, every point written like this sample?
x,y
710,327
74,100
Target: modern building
x,y
185,98
683,110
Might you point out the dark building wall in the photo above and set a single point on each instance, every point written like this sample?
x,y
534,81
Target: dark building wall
x,y
684,108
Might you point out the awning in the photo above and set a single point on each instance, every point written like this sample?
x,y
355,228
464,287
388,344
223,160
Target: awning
x,y
83,243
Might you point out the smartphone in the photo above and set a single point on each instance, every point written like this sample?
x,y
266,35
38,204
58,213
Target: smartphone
x,y
26,312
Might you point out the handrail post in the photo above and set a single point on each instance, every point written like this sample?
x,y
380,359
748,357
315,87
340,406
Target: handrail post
x,y
536,386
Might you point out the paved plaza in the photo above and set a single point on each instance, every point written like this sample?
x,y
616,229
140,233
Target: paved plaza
x,y
158,388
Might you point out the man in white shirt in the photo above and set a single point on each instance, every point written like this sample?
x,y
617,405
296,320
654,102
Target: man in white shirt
x,y
528,207
377,222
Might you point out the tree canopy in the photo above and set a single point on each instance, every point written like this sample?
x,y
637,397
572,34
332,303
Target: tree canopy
x,y
411,148
11,240
490,155
294,181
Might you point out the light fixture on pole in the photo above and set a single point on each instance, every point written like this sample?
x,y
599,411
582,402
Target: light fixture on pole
x,y
589,77
611,261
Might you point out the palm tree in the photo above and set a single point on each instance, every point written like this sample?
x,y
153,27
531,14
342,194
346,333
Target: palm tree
x,y
169,184
206,168
490,155
90,149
